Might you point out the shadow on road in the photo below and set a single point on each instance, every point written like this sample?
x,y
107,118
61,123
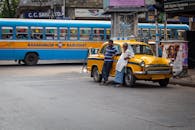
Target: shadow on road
x,y
138,85
41,65
149,85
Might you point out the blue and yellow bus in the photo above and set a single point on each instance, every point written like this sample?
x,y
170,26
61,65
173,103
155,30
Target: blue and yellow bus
x,y
30,40
147,31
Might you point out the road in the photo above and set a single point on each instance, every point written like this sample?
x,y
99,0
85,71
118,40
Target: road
x,y
61,97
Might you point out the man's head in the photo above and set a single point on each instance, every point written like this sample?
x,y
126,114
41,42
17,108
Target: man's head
x,y
110,42
125,46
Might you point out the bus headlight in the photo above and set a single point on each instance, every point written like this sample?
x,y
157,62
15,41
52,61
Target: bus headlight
x,y
142,64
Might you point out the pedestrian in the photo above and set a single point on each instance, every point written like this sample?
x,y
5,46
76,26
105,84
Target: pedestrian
x,y
160,50
122,62
108,60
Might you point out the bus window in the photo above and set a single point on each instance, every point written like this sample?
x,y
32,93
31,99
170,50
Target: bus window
x,y
73,33
37,33
140,32
181,34
98,34
170,34
21,32
85,34
7,33
51,33
175,34
152,34
161,32
108,34
63,33
145,33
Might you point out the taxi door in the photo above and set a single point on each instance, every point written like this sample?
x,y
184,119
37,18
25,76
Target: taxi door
x,y
100,61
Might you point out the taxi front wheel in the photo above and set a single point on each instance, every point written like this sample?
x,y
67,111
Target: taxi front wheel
x,y
97,77
164,82
129,79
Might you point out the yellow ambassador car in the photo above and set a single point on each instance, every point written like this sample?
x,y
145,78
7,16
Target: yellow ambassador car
x,y
143,66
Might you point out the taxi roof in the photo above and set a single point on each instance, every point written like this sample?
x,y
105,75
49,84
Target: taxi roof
x,y
132,42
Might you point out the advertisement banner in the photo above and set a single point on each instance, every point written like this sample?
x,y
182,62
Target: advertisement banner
x,y
178,53
134,3
89,13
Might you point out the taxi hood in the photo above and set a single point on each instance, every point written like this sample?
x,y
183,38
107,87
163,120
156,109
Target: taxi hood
x,y
150,59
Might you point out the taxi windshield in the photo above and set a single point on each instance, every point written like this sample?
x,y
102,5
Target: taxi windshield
x,y
142,49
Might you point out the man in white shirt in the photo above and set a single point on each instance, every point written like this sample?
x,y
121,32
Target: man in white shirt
x,y
122,62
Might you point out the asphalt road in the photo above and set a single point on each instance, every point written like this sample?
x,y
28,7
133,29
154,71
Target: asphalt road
x,y
61,97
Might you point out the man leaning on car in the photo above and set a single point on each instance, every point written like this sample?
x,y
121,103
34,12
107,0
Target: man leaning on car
x,y
108,60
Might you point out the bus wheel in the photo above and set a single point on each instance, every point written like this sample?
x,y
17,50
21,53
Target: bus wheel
x,y
97,77
164,82
31,59
129,79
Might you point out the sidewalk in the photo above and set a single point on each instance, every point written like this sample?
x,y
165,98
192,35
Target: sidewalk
x,y
188,80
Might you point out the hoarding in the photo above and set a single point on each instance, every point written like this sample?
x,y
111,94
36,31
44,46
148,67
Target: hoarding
x,y
177,52
40,2
179,5
127,3
89,13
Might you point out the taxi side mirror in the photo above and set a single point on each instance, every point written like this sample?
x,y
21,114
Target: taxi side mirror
x,y
93,51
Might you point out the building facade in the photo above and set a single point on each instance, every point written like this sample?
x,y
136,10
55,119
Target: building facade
x,y
61,9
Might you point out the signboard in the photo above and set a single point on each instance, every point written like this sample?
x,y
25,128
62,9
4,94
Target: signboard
x,y
35,15
40,2
179,5
127,3
89,13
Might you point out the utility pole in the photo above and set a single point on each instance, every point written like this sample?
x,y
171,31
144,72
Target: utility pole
x,y
165,26
159,6
157,34
64,3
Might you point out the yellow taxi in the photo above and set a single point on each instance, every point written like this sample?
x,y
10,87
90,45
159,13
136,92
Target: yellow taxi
x,y
143,66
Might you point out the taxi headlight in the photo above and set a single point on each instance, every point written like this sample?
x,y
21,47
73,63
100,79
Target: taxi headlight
x,y
142,64
171,63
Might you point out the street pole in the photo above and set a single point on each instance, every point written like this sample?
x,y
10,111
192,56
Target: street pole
x,y
157,34
64,8
190,22
51,11
135,22
165,26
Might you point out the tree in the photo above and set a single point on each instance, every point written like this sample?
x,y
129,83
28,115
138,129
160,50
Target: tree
x,y
9,8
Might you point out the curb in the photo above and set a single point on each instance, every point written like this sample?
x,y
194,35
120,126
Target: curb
x,y
183,83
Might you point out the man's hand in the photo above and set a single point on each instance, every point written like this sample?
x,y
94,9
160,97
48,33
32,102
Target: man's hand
x,y
126,58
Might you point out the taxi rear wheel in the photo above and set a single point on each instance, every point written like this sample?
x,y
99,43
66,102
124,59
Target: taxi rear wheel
x,y
129,79
97,77
164,82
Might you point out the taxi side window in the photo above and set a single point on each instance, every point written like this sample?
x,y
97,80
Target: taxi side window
x,y
147,50
117,47
103,50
